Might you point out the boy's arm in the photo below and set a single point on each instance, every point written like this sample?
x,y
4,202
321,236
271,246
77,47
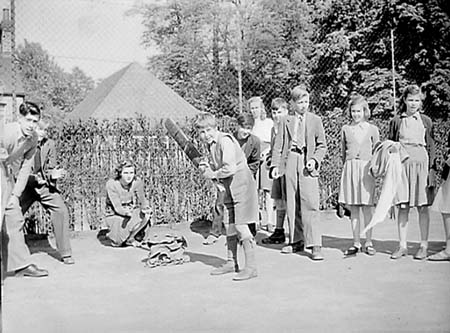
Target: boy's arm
x,y
277,148
254,159
51,162
25,171
321,144
229,163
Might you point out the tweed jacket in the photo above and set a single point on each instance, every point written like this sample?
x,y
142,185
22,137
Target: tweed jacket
x,y
315,142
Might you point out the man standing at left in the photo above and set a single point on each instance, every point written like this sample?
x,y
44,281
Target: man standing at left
x,y
20,141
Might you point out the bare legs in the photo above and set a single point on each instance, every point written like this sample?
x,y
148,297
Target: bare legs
x,y
424,225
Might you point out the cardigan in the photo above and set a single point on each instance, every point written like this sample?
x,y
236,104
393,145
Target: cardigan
x,y
394,135
352,149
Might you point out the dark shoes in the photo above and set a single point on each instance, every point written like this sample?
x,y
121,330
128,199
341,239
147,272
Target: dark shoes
x,y
278,237
293,248
32,271
352,251
68,260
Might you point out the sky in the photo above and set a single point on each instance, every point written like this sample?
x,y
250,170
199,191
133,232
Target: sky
x,y
95,35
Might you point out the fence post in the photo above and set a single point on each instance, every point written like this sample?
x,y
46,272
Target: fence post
x,y
393,69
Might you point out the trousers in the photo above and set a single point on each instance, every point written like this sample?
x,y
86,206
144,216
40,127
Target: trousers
x,y
16,251
302,202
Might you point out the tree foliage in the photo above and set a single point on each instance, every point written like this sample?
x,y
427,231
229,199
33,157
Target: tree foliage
x,y
47,83
335,47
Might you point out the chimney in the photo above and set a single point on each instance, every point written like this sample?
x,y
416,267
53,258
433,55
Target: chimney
x,y
5,15
6,33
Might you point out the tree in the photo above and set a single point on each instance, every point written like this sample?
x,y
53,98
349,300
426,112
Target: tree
x,y
47,83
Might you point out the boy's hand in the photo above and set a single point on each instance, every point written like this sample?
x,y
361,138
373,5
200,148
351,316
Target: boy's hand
x,y
208,173
311,165
275,173
57,173
3,154
13,201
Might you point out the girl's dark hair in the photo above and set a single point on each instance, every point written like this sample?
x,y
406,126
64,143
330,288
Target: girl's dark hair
x,y
245,119
122,165
412,89
27,108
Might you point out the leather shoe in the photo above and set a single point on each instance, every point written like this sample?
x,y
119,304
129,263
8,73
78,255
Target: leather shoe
x,y
68,261
421,253
400,252
293,248
32,271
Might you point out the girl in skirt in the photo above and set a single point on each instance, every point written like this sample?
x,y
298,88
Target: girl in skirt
x,y
414,131
357,188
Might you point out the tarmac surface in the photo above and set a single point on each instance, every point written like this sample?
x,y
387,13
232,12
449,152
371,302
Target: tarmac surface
x,y
111,290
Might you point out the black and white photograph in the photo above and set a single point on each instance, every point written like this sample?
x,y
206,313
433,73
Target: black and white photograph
x,y
224,166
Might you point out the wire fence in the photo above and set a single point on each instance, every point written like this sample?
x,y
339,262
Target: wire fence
x,y
354,46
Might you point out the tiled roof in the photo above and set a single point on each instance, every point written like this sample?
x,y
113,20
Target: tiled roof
x,y
130,92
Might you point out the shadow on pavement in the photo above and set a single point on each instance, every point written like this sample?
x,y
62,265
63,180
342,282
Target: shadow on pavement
x,y
201,227
205,259
382,246
39,243
103,238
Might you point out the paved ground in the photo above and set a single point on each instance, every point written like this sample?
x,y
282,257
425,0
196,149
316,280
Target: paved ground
x,y
110,290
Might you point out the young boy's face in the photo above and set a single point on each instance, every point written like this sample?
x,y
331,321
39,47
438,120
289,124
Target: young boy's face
x,y
208,134
28,123
302,104
244,131
277,114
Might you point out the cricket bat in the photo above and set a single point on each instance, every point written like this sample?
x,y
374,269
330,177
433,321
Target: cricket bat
x,y
183,141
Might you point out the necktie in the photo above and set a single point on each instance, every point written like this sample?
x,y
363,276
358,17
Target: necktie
x,y
37,160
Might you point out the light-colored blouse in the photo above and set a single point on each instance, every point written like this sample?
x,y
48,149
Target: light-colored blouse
x,y
119,197
412,130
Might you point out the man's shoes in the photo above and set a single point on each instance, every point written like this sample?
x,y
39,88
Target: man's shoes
x,y
421,254
400,252
68,260
293,248
278,237
228,267
440,256
31,271
210,240
317,253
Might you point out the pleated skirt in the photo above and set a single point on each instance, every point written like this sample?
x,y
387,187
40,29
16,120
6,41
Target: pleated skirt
x,y
442,200
357,184
413,189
